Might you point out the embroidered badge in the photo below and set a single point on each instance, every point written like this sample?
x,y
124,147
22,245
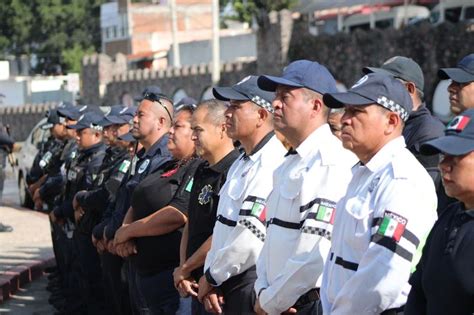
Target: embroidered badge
x,y
143,166
393,225
458,123
205,195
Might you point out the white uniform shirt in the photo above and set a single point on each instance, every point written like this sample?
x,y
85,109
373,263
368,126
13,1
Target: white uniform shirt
x,y
301,209
389,209
239,231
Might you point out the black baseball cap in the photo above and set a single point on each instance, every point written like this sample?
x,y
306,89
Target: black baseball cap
x,y
463,73
246,90
52,118
88,120
302,74
128,137
458,137
401,67
377,88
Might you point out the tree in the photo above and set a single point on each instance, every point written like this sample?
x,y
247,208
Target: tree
x,y
247,9
56,32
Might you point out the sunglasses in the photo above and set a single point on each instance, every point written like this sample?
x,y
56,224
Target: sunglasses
x,y
153,97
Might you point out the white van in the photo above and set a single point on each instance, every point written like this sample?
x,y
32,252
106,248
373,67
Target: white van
x,y
452,11
395,17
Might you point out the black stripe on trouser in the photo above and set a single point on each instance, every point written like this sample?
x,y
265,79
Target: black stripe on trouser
x,y
346,264
390,244
409,236
226,221
255,231
285,224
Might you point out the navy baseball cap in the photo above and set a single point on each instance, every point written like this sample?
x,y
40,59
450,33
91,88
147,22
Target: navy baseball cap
x,y
463,73
246,90
52,119
128,137
302,74
458,137
124,116
375,88
401,67
186,101
88,120
72,112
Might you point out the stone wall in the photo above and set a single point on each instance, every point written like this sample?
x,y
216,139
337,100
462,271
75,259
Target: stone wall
x,y
22,119
346,54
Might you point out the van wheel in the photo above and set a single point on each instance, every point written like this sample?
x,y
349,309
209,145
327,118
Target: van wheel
x,y
25,198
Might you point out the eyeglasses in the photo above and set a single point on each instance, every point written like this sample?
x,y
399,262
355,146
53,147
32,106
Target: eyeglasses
x,y
153,97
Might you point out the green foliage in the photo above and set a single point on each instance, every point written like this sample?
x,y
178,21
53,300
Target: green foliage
x,y
246,9
57,32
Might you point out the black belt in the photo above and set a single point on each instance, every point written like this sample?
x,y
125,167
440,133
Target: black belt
x,y
309,297
226,221
394,311
285,224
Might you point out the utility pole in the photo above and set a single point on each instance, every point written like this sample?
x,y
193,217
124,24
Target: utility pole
x,y
174,31
216,67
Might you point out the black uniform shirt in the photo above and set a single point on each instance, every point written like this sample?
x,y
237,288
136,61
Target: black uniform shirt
x,y
203,202
443,282
166,186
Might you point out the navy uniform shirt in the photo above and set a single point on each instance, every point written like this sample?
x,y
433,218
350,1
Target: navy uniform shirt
x,y
148,162
204,198
443,282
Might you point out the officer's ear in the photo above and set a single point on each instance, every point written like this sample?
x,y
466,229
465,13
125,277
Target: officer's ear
x,y
411,87
394,123
262,115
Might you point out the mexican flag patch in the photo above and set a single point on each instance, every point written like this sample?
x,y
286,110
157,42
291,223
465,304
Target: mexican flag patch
x,y
259,210
393,225
458,123
326,213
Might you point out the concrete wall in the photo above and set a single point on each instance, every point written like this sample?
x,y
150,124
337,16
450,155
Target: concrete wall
x,y
23,119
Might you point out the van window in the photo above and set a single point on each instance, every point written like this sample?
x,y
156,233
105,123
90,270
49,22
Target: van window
x,y
469,13
384,23
365,27
453,15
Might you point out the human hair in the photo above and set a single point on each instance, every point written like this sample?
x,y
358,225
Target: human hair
x,y
215,110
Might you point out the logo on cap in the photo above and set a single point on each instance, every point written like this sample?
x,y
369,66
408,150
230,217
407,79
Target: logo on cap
x,y
360,82
123,110
244,80
458,123
81,117
83,108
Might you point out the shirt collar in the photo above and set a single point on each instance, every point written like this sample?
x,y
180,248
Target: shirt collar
x,y
384,155
159,147
260,145
225,162
94,148
317,141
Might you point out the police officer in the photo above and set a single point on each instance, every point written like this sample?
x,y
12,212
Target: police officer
x,y
239,231
46,169
217,149
461,89
307,186
151,125
389,207
443,282
421,126
81,175
94,202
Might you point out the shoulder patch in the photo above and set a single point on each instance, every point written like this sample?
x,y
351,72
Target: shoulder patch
x,y
393,225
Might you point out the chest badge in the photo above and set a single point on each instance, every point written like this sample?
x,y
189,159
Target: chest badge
x,y
143,166
205,195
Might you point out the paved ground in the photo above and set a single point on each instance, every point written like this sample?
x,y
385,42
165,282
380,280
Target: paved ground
x,y
23,253
30,300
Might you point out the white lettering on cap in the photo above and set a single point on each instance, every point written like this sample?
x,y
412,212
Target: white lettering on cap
x,y
123,110
360,82
391,60
83,108
80,118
